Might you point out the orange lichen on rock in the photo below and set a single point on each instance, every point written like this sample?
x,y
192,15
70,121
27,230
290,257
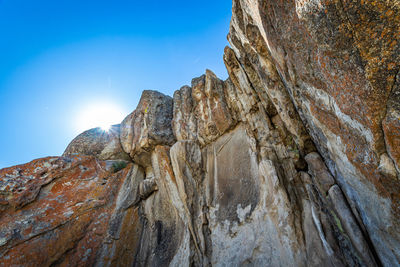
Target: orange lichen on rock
x,y
57,210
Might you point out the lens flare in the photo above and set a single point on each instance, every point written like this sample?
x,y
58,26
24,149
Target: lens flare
x,y
105,127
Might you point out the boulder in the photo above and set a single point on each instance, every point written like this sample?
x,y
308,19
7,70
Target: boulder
x,y
184,122
149,125
104,145
210,107
202,112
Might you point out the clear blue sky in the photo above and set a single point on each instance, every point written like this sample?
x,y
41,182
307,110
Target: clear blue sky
x,y
56,57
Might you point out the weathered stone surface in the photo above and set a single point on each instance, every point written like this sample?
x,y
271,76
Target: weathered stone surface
x,y
391,125
282,154
184,121
147,187
210,107
65,220
254,214
149,125
186,160
387,166
202,112
318,170
163,235
316,243
125,227
21,185
232,175
349,223
337,61
104,145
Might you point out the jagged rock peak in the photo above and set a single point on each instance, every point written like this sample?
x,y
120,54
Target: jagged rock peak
x,y
149,125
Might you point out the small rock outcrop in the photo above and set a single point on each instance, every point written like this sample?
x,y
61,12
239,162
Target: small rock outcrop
x,y
104,145
291,161
149,125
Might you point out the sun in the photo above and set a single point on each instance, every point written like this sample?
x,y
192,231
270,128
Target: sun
x,y
102,115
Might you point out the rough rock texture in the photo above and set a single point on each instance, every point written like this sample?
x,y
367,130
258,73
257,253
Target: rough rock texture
x,y
104,145
201,111
61,211
149,125
291,161
338,61
391,127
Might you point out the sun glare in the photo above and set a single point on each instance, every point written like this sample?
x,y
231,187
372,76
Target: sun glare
x,y
102,115
105,127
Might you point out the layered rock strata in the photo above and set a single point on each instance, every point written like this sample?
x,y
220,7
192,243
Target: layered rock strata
x,y
339,63
291,161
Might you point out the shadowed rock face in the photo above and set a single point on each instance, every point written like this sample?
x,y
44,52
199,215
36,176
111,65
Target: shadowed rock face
x,y
292,161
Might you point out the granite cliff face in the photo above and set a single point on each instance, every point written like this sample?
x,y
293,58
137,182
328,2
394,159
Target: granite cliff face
x,y
294,160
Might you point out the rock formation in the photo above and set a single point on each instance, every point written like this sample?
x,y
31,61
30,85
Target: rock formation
x,y
104,145
294,160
